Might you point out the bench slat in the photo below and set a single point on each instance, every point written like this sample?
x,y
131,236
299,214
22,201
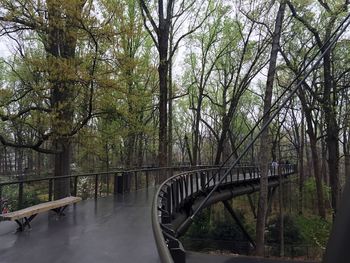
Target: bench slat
x,y
36,209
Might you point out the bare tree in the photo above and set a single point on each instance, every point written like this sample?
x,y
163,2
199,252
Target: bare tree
x,y
264,141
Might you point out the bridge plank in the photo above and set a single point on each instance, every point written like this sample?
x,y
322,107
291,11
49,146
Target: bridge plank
x,y
36,209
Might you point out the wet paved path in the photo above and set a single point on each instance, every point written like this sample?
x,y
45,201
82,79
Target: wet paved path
x,y
112,229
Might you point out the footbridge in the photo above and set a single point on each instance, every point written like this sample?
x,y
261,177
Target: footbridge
x,y
179,197
126,217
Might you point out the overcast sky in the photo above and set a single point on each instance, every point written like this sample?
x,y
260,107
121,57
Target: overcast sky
x,y
4,48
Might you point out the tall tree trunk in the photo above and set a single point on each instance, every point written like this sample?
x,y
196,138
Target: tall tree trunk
x,y
163,42
60,48
30,160
62,162
130,147
318,177
301,164
38,162
188,150
346,147
332,131
140,150
264,140
324,166
346,137
223,139
281,212
308,170
196,132
170,103
312,133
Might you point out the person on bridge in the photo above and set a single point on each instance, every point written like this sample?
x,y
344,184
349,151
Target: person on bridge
x,y
274,166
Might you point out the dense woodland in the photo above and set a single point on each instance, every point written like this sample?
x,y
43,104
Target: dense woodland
x,y
99,84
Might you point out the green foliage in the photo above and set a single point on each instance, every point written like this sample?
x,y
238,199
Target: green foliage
x,y
292,233
31,196
311,190
300,230
199,227
314,230
202,227
227,230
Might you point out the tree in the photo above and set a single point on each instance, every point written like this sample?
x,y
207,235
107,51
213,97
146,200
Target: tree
x,y
328,101
59,26
264,141
168,14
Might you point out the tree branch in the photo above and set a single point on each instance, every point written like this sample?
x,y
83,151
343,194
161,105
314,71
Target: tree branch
x,y
306,24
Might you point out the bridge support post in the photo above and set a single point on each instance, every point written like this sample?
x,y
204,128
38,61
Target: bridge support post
x,y
271,194
177,251
252,206
239,223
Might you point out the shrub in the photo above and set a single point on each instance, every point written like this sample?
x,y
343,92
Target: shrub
x,y
292,233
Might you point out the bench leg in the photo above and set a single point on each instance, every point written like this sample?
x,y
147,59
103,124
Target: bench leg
x,y
23,223
59,211
20,225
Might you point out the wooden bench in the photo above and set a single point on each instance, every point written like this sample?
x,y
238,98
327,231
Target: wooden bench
x,y
24,216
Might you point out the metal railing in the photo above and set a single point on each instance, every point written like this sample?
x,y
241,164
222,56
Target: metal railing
x,y
87,185
173,194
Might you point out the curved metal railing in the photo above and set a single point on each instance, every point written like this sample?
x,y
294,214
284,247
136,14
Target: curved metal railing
x,y
86,185
176,195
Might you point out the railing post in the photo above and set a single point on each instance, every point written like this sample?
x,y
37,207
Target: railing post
x,y
96,186
176,195
20,196
121,183
207,176
181,191
115,184
168,201
107,182
75,190
146,179
202,178
173,196
191,183
126,181
50,189
1,199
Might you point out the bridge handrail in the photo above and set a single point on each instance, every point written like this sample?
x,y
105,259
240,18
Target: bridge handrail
x,y
140,176
164,253
174,168
158,231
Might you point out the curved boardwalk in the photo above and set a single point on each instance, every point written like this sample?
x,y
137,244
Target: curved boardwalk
x,y
111,229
